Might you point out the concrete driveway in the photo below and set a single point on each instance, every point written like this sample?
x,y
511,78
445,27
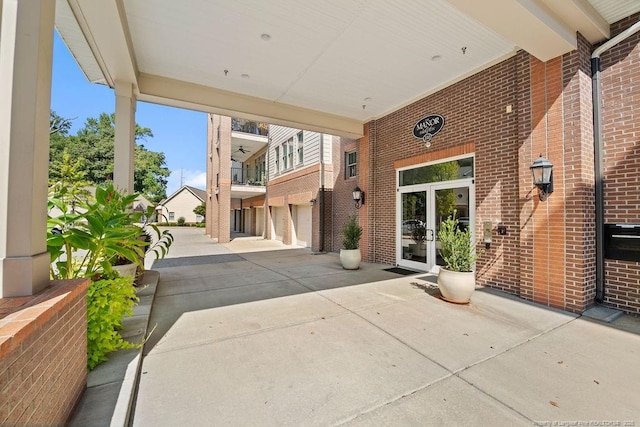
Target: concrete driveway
x,y
258,333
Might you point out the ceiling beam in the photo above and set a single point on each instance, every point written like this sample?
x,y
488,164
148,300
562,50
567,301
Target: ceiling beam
x,y
105,28
579,14
162,90
529,24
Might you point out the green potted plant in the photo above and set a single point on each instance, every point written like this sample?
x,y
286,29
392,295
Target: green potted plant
x,y
84,242
457,279
351,233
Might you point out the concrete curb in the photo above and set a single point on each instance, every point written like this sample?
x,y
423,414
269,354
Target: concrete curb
x,y
109,396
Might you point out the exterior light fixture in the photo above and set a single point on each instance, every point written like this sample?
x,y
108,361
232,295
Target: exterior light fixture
x,y
358,197
542,171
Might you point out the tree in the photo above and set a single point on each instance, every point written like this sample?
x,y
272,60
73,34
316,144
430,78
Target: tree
x,y
67,181
150,175
94,143
201,210
58,124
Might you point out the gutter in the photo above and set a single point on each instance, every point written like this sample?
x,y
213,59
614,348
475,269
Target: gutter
x,y
598,153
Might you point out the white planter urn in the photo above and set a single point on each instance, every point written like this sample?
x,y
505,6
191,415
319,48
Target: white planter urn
x,y
126,270
456,286
350,258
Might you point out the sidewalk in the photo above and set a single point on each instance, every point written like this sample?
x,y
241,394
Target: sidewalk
x,y
257,333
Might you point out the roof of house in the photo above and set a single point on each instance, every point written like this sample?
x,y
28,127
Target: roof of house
x,y
200,194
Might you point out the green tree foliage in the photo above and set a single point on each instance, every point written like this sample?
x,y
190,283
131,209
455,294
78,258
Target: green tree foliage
x,y
150,176
201,210
94,143
67,179
351,233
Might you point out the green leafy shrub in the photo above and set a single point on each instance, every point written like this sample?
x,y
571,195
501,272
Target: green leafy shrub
x,y
351,233
108,302
86,239
182,221
456,247
85,244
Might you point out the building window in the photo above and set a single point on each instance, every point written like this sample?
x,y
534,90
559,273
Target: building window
x,y
351,166
285,166
287,154
172,216
260,169
277,156
290,151
300,148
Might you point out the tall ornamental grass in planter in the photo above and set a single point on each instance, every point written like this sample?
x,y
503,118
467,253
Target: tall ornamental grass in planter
x,y
351,235
457,280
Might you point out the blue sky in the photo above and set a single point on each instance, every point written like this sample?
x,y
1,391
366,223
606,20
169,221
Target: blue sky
x,y
180,134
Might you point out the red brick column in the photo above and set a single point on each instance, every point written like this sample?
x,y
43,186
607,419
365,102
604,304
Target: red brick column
x,y
579,178
364,160
224,187
621,163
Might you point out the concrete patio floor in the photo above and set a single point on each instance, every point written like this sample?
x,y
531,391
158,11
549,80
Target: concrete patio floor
x,y
257,333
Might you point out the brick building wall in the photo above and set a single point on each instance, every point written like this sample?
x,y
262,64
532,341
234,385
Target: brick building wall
x,y
482,125
218,206
297,188
620,77
579,177
343,204
521,108
43,355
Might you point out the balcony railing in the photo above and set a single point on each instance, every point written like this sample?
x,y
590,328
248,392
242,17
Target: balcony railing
x,y
247,126
247,176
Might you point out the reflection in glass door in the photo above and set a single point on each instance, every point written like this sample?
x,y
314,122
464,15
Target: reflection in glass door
x,y
450,201
422,209
413,227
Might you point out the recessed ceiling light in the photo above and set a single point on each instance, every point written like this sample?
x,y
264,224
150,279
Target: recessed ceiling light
x,y
436,57
244,76
266,37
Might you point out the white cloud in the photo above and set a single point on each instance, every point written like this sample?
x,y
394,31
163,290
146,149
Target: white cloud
x,y
193,178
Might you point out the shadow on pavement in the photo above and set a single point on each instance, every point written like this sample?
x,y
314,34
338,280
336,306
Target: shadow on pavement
x,y
204,282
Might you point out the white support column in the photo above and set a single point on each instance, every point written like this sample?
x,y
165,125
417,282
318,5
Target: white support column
x,y
26,50
124,144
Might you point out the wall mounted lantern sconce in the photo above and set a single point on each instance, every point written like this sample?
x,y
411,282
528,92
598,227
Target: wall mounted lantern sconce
x,y
542,171
358,197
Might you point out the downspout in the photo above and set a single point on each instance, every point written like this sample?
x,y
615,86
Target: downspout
x,y
598,152
322,201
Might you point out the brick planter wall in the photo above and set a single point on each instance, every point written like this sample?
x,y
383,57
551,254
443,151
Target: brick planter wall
x,y
43,354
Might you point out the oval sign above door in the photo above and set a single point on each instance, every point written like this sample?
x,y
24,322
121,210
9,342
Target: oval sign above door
x,y
428,127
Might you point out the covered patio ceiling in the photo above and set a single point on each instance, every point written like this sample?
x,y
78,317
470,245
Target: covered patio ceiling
x,y
328,66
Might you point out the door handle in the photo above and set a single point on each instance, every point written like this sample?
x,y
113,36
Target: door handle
x,y
431,235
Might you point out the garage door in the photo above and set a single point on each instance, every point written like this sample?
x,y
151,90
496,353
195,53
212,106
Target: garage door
x,y
259,221
247,220
277,219
302,224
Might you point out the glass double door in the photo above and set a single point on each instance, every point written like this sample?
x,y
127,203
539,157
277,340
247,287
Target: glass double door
x,y
422,208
